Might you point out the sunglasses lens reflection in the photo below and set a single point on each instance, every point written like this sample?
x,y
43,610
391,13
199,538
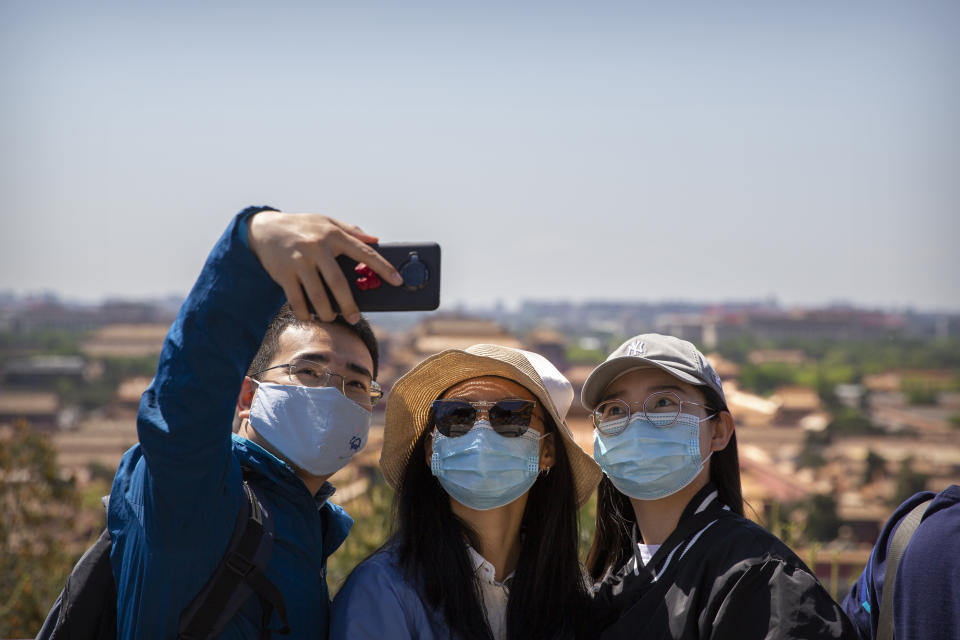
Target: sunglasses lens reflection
x,y
509,418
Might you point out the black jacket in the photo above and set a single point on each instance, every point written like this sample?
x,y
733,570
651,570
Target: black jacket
x,y
718,575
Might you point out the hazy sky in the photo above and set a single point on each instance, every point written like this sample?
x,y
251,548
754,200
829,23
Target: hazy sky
x,y
716,150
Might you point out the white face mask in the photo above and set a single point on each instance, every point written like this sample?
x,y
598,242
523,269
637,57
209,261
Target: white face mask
x,y
316,428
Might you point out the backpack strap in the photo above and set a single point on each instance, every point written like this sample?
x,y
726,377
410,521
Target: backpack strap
x,y
897,546
240,574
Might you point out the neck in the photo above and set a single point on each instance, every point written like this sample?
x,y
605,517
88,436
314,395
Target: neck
x,y
312,482
657,519
498,533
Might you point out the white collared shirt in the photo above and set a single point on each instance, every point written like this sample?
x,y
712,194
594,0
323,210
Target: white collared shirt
x,y
495,594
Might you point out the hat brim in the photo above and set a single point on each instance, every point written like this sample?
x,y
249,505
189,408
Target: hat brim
x,y
601,377
408,409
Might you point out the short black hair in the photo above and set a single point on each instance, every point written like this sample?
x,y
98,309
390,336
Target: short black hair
x,y
286,318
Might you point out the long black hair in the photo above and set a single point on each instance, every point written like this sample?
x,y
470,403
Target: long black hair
x,y
615,515
548,597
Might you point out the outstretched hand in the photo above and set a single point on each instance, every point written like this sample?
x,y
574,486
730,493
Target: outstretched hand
x,y
299,251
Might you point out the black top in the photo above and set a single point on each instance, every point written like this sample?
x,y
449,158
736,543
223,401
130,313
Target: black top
x,y
718,575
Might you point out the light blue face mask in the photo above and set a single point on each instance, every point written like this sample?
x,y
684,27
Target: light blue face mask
x,y
647,462
318,429
484,470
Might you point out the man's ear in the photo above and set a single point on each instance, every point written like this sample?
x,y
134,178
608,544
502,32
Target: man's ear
x,y
245,401
723,428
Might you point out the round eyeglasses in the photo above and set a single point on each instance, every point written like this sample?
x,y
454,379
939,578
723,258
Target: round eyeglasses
x,y
307,373
661,408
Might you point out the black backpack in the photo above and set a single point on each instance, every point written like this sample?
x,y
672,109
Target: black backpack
x,y
86,609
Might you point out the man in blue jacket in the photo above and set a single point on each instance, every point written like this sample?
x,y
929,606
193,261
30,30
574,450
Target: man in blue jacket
x,y
303,412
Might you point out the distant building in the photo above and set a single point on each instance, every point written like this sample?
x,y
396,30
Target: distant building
x,y
551,344
41,409
779,356
127,398
442,332
126,341
726,369
749,409
43,371
794,404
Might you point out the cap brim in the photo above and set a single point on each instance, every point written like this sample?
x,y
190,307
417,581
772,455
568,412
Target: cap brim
x,y
601,377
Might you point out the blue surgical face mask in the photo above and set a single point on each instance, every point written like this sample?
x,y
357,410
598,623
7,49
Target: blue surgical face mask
x,y
484,470
648,462
316,428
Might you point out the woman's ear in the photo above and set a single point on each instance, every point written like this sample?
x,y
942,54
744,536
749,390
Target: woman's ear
x,y
548,452
722,430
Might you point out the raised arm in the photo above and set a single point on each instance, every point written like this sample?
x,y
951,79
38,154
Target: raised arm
x,y
185,416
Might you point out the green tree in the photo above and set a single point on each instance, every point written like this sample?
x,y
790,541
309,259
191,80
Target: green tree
x,y
920,393
35,506
908,482
764,378
848,422
373,519
822,520
811,456
875,464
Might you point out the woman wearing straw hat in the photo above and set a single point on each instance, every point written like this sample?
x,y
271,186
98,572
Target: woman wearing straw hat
x,y
672,553
488,480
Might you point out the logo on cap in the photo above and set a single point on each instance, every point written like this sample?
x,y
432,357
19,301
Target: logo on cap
x,y
636,348
716,378
355,443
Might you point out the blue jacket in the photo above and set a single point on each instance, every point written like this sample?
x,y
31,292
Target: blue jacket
x,y
926,601
177,494
378,602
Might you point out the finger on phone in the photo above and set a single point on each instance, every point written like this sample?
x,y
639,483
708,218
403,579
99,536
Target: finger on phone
x,y
339,287
318,296
355,231
362,253
291,288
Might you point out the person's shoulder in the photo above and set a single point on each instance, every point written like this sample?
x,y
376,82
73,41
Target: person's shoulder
x,y
946,499
736,539
380,572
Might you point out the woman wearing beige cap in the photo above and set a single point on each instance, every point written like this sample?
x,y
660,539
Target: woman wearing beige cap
x,y
488,479
673,555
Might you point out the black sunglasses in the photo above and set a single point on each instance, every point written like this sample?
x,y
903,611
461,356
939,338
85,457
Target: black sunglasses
x,y
510,417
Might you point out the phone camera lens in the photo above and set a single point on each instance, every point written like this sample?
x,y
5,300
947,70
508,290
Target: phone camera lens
x,y
414,272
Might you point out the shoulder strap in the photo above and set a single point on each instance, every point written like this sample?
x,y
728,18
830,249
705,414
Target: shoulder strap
x,y
897,546
241,574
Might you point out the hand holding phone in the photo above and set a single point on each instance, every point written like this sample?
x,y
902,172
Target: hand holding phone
x,y
299,251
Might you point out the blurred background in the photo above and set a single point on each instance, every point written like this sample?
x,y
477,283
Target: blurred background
x,y
775,183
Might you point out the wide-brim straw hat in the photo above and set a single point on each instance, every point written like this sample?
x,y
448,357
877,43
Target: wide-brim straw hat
x,y
408,405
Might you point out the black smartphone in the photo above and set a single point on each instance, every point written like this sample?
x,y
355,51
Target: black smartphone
x,y
418,263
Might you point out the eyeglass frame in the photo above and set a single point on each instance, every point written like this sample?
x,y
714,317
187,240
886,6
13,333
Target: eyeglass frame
x,y
374,393
643,408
